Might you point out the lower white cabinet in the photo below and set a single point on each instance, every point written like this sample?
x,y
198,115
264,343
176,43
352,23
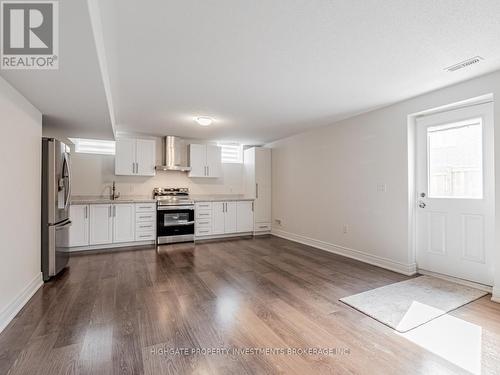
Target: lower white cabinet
x,y
244,221
218,218
79,230
224,217
101,224
145,222
221,218
230,223
123,223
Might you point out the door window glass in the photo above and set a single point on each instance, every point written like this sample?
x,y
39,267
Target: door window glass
x,y
455,161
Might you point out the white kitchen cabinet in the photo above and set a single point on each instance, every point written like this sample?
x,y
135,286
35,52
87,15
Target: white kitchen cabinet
x,y
79,230
101,224
123,222
224,217
125,157
230,217
214,161
218,218
146,157
197,160
244,218
135,157
205,161
145,221
257,164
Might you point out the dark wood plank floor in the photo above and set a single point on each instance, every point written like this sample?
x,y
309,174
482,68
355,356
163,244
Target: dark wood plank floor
x,y
124,312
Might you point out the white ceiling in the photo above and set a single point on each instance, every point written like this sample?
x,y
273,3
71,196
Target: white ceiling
x,y
263,69
71,98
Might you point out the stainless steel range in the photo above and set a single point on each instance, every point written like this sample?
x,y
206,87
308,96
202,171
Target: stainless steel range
x,y
175,215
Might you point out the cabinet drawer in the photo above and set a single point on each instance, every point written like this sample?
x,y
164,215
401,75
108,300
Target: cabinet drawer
x,y
203,231
203,214
204,206
262,227
145,207
145,216
145,236
204,223
144,227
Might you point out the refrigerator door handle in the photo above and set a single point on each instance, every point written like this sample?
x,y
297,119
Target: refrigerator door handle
x,y
64,224
67,175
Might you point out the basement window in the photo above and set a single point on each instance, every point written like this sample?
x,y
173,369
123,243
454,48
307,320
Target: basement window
x,y
231,153
93,146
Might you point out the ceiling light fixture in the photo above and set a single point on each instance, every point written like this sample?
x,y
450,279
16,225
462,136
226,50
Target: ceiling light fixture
x,y
204,120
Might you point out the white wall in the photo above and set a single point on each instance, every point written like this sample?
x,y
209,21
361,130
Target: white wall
x,y
94,174
340,166
20,152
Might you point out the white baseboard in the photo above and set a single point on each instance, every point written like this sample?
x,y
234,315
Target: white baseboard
x,y
495,294
403,268
110,246
222,236
18,303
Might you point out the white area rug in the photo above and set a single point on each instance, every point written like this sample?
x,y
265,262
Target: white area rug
x,y
411,303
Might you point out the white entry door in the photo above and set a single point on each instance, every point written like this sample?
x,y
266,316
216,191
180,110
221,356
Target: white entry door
x,y
455,193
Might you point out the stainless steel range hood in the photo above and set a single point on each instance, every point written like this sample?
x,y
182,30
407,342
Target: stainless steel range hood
x,y
174,155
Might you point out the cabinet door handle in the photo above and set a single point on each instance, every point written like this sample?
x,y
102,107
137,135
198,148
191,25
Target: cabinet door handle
x,y
114,211
252,206
208,170
256,190
109,211
86,212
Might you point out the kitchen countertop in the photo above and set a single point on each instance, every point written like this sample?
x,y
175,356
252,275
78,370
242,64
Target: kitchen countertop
x,y
95,199
220,198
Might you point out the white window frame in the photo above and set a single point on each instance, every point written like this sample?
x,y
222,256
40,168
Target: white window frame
x,y
94,146
231,148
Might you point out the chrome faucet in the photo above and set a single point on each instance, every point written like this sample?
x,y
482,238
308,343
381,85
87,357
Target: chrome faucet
x,y
114,194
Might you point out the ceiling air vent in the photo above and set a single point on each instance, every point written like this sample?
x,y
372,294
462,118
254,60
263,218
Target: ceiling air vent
x,y
464,64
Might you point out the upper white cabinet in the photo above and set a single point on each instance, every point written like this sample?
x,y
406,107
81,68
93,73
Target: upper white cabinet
x,y
205,161
135,157
145,157
79,230
257,162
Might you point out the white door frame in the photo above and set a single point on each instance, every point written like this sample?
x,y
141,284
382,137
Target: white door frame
x,y
412,176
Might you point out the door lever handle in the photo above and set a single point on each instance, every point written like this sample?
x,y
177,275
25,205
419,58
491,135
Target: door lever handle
x,y
421,204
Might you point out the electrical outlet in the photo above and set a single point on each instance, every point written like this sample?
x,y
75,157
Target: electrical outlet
x,y
382,188
345,228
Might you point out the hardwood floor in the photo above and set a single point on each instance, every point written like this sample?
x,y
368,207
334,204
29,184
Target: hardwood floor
x,y
125,312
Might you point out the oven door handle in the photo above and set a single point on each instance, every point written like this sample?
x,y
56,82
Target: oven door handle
x,y
179,224
172,208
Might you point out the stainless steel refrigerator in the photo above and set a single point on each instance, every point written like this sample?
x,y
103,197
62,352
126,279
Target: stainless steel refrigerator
x,y
56,198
